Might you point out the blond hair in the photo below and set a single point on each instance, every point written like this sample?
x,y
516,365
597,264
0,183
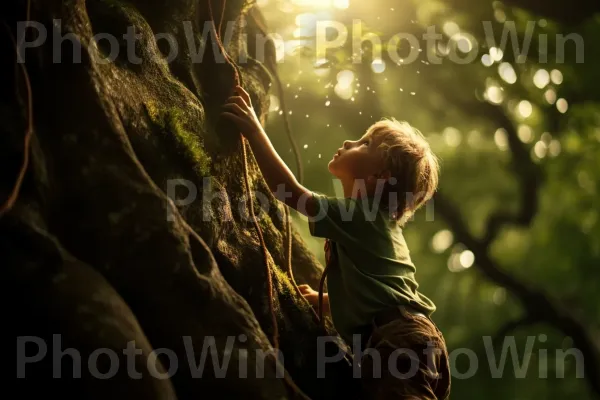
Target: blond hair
x,y
413,166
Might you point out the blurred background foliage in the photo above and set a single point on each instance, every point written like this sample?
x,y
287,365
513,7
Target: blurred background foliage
x,y
510,245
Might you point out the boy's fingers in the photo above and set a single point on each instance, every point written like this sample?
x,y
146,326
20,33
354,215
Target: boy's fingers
x,y
237,100
233,117
243,94
234,108
307,291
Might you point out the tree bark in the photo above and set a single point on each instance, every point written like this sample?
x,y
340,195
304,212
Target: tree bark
x,y
101,247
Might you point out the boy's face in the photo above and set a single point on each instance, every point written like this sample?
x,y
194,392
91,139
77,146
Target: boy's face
x,y
357,160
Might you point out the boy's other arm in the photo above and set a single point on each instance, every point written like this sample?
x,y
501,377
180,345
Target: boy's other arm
x,y
312,296
278,176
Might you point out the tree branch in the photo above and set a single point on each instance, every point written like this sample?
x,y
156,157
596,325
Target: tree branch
x,y
528,173
536,304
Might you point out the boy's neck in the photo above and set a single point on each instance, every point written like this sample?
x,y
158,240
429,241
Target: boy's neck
x,y
350,192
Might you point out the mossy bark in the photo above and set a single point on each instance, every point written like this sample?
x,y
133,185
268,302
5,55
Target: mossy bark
x,y
99,250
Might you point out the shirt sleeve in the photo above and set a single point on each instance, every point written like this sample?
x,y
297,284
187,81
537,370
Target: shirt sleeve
x,y
337,219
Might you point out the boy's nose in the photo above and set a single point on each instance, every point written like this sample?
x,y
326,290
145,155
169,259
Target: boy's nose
x,y
347,143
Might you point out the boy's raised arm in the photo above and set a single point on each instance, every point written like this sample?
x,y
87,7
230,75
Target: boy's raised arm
x,y
278,176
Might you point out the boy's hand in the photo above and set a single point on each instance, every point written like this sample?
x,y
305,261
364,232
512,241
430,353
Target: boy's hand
x,y
310,294
238,109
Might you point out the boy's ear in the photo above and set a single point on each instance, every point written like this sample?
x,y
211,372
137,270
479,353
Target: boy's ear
x,y
386,174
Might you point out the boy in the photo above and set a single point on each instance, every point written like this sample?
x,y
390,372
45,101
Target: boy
x,y
386,176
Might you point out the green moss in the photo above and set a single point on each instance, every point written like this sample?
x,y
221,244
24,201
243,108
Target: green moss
x,y
285,288
153,113
189,142
264,220
269,230
283,282
172,122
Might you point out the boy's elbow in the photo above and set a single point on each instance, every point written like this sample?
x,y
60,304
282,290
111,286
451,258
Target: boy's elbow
x,y
296,197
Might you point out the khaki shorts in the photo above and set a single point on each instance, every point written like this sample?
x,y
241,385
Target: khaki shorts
x,y
410,361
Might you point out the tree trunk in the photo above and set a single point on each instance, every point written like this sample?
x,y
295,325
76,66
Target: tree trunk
x,y
131,223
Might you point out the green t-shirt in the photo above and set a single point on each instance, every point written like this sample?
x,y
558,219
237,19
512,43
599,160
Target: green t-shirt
x,y
371,268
